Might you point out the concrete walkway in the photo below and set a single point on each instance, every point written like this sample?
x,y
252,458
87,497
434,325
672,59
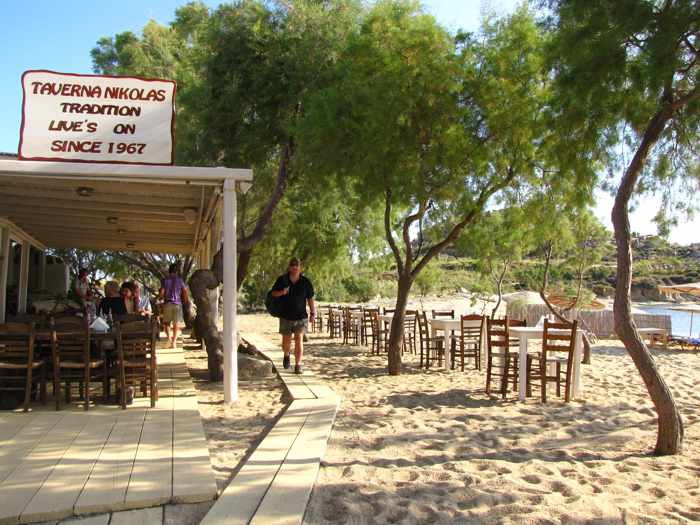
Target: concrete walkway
x,y
54,465
274,485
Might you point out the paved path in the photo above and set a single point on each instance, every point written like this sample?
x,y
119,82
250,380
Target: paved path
x,y
274,485
54,465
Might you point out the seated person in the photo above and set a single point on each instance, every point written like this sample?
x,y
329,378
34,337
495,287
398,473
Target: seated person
x,y
113,303
127,292
142,304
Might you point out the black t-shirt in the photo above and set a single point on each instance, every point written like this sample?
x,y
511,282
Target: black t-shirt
x,y
112,305
293,305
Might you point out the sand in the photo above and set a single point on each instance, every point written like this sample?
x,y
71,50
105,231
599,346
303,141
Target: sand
x,y
431,447
233,432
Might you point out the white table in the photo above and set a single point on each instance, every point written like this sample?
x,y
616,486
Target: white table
x,y
447,326
524,334
387,319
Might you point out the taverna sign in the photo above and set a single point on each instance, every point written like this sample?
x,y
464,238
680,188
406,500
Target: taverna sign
x,y
94,118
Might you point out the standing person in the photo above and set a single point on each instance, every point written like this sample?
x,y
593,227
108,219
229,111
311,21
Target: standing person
x,y
81,288
293,291
174,293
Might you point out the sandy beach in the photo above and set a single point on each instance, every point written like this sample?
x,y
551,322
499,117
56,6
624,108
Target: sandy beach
x,y
233,432
431,447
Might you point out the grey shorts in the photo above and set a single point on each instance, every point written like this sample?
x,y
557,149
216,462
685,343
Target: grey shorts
x,y
289,327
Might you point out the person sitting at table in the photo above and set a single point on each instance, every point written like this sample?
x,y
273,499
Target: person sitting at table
x,y
127,292
142,304
113,303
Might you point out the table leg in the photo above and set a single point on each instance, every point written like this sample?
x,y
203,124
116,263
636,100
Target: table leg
x,y
576,387
522,367
447,341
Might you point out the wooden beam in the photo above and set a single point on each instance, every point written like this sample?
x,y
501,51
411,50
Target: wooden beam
x,y
43,222
176,249
16,210
107,209
9,193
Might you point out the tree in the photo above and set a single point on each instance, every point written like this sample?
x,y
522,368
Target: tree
x,y
418,122
497,243
632,67
244,72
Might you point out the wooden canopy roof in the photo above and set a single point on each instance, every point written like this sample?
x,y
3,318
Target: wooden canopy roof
x,y
113,207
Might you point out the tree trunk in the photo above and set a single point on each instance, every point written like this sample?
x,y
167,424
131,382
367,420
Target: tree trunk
x,y
670,425
499,288
396,334
202,283
242,268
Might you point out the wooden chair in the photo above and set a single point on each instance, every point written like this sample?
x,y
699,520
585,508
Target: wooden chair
x,y
352,325
499,344
73,360
335,322
470,339
369,331
18,364
379,336
409,331
557,350
67,323
430,348
136,358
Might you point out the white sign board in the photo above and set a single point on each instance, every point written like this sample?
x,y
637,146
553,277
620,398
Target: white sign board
x,y
93,118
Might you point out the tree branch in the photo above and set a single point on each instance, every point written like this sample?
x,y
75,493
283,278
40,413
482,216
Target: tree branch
x,y
389,235
474,212
265,218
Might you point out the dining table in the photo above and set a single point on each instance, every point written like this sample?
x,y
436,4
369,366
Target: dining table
x,y
386,320
448,326
527,333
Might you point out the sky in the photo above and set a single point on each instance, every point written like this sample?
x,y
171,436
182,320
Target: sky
x,y
45,34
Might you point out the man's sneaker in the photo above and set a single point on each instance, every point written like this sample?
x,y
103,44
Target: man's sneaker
x,y
297,369
285,362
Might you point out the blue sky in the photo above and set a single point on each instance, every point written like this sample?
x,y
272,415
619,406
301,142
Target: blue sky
x,y
45,34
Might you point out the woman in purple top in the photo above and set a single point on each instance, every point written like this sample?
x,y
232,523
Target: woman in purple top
x,y
173,292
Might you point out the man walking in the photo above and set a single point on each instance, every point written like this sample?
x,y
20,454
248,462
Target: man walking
x,y
293,291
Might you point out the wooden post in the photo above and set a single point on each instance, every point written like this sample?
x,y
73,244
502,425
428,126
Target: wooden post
x,y
4,267
23,279
230,299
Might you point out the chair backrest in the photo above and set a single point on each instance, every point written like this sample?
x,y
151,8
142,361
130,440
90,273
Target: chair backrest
x,y
443,314
469,329
409,320
563,341
497,333
137,339
129,318
388,311
68,323
70,340
423,326
17,343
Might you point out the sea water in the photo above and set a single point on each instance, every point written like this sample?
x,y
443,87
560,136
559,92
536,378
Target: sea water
x,y
680,321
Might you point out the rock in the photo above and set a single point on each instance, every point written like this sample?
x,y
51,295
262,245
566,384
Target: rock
x,y
250,367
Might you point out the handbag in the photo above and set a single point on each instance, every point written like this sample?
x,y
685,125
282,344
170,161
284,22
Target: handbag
x,y
273,305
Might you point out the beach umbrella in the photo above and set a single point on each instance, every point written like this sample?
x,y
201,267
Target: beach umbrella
x,y
692,308
690,288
